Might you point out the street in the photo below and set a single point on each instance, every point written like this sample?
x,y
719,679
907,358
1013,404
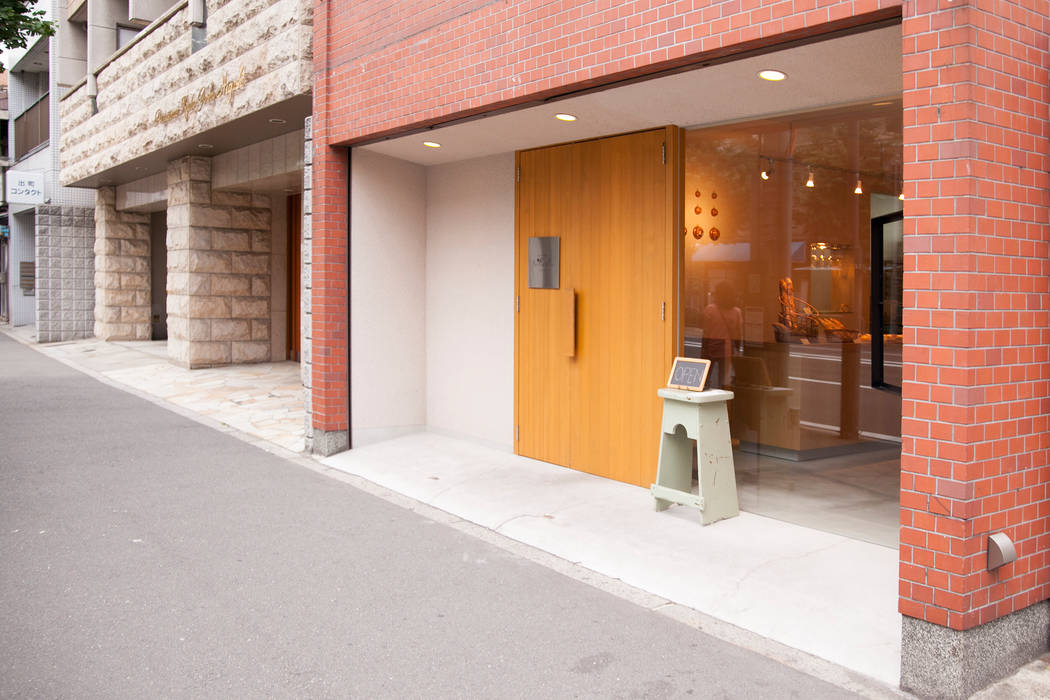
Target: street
x,y
143,554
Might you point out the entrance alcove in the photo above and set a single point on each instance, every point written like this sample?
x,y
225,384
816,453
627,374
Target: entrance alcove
x,y
432,268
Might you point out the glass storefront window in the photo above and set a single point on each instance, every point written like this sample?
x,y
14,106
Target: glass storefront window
x,y
779,222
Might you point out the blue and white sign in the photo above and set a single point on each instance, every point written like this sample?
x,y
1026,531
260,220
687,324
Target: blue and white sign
x,y
25,187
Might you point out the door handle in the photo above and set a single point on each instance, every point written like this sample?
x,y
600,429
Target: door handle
x,y
569,312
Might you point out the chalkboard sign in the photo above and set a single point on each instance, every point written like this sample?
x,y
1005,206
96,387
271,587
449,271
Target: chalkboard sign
x,y
689,373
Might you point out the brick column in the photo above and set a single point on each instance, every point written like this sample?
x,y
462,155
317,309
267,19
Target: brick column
x,y
329,322
977,328
306,282
218,270
122,277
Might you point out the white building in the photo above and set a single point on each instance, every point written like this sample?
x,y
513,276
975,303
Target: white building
x,y
51,260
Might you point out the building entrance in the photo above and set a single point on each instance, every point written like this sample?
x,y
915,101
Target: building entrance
x,y
595,322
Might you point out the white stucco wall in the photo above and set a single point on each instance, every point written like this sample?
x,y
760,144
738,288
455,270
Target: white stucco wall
x,y
21,309
470,300
387,277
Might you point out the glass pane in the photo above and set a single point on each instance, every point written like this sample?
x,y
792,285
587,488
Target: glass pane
x,y
777,249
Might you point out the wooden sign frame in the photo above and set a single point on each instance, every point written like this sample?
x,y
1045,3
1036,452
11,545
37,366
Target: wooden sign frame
x,y
690,360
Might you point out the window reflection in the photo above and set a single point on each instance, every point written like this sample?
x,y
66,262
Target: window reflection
x,y
781,300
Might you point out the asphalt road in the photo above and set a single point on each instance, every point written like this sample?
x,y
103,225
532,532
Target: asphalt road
x,y
144,555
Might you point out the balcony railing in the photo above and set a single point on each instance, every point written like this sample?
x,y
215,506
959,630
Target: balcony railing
x,y
32,128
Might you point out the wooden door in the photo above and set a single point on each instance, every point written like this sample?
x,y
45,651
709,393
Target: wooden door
x,y
295,241
591,354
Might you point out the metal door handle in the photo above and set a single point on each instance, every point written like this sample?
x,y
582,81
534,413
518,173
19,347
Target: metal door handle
x,y
569,308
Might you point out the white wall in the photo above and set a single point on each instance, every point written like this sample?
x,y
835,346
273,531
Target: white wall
x,y
387,258
22,248
470,299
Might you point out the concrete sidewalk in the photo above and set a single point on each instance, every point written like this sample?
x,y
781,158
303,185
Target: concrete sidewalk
x,y
821,603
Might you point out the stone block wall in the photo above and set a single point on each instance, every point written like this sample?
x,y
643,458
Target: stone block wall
x,y
122,271
219,246
65,266
159,91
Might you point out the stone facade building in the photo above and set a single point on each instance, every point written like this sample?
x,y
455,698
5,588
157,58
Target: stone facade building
x,y
187,119
900,143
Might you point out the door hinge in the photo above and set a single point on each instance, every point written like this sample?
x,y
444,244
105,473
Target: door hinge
x,y
516,432
518,176
517,303
663,310
663,152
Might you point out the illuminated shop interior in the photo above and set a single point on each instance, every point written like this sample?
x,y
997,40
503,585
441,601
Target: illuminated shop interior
x,y
792,232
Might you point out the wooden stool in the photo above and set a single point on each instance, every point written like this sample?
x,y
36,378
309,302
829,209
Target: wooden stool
x,y
704,418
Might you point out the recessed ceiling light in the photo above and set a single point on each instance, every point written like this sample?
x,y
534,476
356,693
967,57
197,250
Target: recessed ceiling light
x,y
205,146
565,117
772,75
278,121
432,144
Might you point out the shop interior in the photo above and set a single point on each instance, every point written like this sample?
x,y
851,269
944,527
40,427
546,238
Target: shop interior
x,y
780,276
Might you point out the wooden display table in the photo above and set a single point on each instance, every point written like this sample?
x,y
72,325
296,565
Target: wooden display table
x,y
699,416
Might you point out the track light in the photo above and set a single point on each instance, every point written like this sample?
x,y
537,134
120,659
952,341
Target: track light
x,y
809,182
768,170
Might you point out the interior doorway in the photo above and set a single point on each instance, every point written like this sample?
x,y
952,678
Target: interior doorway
x,y
158,260
595,324
293,346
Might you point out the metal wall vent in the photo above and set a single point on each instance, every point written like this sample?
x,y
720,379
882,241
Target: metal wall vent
x,y
27,278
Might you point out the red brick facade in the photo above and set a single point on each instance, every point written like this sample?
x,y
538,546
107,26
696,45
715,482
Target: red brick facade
x,y
977,294
977,364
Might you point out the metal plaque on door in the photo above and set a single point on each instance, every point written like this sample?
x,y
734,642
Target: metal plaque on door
x,y
544,262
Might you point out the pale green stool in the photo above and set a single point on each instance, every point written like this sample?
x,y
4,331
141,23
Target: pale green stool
x,y
704,417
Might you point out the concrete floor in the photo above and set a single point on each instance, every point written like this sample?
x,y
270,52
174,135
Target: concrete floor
x,y
830,596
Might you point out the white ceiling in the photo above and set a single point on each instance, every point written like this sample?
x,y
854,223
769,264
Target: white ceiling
x,y
848,70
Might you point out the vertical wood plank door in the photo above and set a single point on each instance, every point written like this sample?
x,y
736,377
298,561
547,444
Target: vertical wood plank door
x,y
293,347
611,201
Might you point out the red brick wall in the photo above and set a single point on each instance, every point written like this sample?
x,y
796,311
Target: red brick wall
x,y
384,66
975,84
977,293
329,220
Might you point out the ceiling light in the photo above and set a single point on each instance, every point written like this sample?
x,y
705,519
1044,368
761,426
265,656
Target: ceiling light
x,y
205,146
809,182
901,196
432,144
772,75
275,120
565,117
859,189
768,170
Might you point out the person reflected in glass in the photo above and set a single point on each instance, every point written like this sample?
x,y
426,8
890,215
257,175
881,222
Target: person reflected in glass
x,y
723,330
